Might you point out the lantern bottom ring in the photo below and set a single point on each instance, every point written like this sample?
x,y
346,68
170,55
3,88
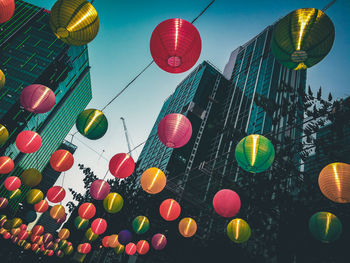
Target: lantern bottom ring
x,y
174,61
170,144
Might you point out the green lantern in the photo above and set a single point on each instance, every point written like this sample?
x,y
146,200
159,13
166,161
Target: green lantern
x,y
302,38
34,196
238,230
4,134
62,244
31,177
325,227
113,203
68,250
255,153
92,124
90,236
13,195
140,225
119,249
81,223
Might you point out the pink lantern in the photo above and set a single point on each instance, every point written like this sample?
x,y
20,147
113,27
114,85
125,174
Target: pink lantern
x,y
130,249
99,189
6,165
142,247
61,160
49,245
37,98
226,203
170,210
3,202
12,183
99,226
56,194
37,230
121,165
84,248
105,241
42,206
28,141
7,9
87,211
159,241
174,130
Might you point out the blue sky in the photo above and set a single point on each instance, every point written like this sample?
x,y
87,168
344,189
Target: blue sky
x,y
121,50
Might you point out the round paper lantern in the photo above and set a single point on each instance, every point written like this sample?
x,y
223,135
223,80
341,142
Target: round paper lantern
x,y
174,130
23,235
99,226
49,245
302,38
153,180
7,235
27,246
142,247
47,238
31,177
175,45
3,202
30,216
334,182
12,183
255,153
61,160
13,195
81,223
105,241
90,236
37,230
113,241
226,203
130,249
57,212
6,165
34,196
23,227
50,253
75,22
14,239
28,141
37,98
62,244
187,227
159,241
62,219
68,250
325,227
4,134
15,231
41,206
35,246
56,194
140,225
92,124
119,249
238,230
121,165
170,210
64,233
124,237
99,189
2,231
113,203
84,248
87,211
7,9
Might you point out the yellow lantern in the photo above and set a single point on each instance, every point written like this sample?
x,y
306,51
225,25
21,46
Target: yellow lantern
x,y
4,134
2,79
153,180
238,230
68,250
31,177
90,236
113,203
15,222
2,231
34,196
187,227
57,212
64,233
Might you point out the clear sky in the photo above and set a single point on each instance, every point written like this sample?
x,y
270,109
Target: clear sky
x,y
121,50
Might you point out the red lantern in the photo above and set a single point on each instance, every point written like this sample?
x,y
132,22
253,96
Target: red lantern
x,y
37,98
3,202
6,165
12,183
6,235
174,130
170,210
121,165
57,212
42,206
28,141
105,241
56,194
87,211
37,230
50,253
142,247
175,45
130,249
35,246
99,226
47,238
226,203
61,160
23,235
34,238
99,189
23,227
7,9
84,248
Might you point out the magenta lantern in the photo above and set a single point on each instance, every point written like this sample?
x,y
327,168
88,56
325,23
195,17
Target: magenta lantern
x,y
99,226
37,230
121,165
175,45
105,241
6,165
226,203
159,241
174,130
84,248
3,202
47,238
87,211
12,183
99,189
130,249
37,98
28,141
7,9
56,194
50,253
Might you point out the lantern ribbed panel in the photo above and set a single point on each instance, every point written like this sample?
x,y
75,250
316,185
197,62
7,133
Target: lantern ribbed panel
x,y
226,203
4,134
37,98
7,9
99,189
302,38
174,130
142,247
334,182
75,22
28,142
325,227
56,194
113,203
2,77
175,45
92,124
34,196
238,230
6,165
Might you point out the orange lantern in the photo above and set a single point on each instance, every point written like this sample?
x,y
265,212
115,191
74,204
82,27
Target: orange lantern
x,y
334,182
61,160
153,180
64,233
57,211
113,241
142,247
187,227
6,165
87,211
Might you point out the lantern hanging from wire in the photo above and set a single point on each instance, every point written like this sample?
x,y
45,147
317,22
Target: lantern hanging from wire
x,y
238,230
81,223
159,241
187,227
153,180
3,202
13,195
57,212
37,98
140,225
175,45
31,177
113,241
30,216
6,165
113,203
41,206
7,9
124,237
92,124
64,233
334,182
34,196
23,227
6,235
130,249
99,226
99,189
121,165
302,38
28,141
56,194
87,211
75,22
325,227
61,160
35,246
255,153
170,210
4,134
226,203
142,247
12,183
174,130
119,249
37,230
84,248
105,241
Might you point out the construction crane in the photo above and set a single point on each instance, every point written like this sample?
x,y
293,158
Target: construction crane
x,y
126,135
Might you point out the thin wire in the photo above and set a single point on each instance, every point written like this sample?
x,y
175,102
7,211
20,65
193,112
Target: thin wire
x,y
328,6
205,9
99,154
105,175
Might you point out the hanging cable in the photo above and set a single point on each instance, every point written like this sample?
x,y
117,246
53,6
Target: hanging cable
x,y
328,5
